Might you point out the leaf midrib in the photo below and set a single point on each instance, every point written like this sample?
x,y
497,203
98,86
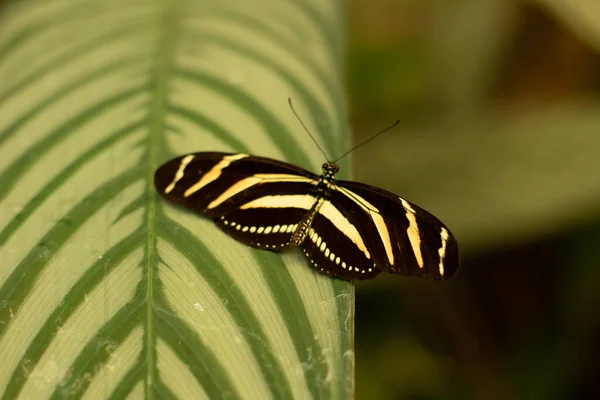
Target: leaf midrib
x,y
159,81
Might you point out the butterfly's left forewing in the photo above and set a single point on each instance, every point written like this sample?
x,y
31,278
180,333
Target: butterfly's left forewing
x,y
403,238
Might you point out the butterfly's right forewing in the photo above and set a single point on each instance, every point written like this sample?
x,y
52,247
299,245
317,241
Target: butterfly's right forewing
x,y
256,200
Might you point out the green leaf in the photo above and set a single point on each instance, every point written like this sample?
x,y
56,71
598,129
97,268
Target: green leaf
x,y
105,290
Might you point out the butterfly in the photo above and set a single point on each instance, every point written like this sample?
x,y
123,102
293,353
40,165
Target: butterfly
x,y
346,229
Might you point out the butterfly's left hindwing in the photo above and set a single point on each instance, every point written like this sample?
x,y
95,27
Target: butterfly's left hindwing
x,y
337,249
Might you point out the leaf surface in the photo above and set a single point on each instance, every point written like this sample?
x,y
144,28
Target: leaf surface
x,y
107,291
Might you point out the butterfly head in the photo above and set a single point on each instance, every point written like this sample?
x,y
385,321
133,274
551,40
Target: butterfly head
x,y
330,169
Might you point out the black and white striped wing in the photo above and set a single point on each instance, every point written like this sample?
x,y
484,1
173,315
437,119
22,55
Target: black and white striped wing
x,y
253,199
266,221
393,235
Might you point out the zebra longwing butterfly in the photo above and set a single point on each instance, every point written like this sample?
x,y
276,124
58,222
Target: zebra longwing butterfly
x,y
346,229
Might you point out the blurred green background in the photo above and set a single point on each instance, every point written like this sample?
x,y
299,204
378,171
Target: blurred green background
x,y
500,139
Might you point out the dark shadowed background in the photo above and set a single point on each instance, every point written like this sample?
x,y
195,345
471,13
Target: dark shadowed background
x,y
500,139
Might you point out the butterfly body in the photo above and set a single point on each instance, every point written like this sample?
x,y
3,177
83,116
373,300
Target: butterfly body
x,y
346,229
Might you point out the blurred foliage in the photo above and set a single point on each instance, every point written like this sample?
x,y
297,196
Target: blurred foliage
x,y
500,103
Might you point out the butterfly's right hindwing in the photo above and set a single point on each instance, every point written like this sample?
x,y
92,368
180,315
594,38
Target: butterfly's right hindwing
x,y
340,251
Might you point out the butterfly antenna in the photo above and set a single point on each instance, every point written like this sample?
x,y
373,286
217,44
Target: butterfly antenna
x,y
306,129
367,141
